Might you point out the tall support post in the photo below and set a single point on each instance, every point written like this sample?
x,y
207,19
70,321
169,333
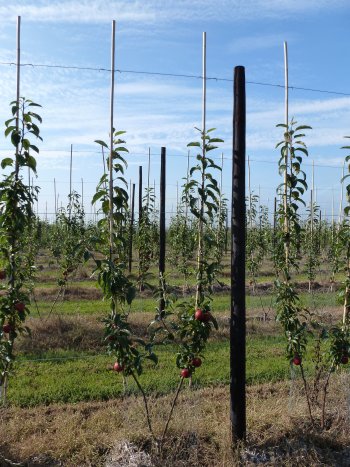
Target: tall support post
x,y
82,192
111,150
140,193
54,193
18,73
204,81
148,174
274,221
162,233
70,180
286,156
131,226
238,226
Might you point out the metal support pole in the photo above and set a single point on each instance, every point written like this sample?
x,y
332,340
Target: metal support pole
x,y
238,226
162,233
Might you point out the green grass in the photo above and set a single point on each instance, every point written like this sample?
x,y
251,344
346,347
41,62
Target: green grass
x,y
77,377
221,303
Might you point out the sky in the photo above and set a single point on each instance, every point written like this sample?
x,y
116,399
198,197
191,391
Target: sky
x,y
165,36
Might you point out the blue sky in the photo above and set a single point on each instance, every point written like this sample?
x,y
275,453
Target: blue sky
x,y
165,36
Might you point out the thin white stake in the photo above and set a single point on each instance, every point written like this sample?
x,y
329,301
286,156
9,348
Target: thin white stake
x,y
18,72
286,80
111,142
286,158
332,209
250,196
341,196
70,180
204,81
148,174
54,190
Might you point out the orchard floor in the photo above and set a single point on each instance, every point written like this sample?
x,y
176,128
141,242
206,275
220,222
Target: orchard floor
x,y
114,433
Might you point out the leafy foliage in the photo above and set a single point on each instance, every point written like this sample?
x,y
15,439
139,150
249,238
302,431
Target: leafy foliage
x,y
16,215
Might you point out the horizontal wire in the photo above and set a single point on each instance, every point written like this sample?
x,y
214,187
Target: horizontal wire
x,y
175,75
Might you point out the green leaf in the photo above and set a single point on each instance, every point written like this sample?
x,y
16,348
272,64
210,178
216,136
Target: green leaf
x,y
6,162
153,357
34,148
216,140
15,138
9,130
196,144
31,163
102,143
98,195
303,127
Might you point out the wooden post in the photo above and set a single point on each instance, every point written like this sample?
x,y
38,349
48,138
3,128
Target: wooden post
x,y
131,225
238,226
140,193
162,233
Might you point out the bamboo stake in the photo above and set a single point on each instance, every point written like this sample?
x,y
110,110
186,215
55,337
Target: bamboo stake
x,y
70,181
286,157
204,81
187,180
200,227
54,190
111,144
341,197
18,72
148,174
250,196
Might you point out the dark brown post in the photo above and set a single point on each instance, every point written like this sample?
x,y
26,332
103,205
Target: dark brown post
x,y
162,233
237,323
131,233
274,221
140,193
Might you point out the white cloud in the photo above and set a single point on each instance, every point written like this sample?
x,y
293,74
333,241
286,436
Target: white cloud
x,y
137,11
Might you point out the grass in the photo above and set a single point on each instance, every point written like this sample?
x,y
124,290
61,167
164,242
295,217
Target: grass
x,y
221,303
95,433
70,408
75,376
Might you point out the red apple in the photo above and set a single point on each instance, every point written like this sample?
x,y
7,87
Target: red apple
x,y
185,373
196,362
2,275
118,367
344,359
297,360
203,316
20,306
7,328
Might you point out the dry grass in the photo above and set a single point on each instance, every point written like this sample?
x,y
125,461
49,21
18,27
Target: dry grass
x,y
85,333
87,434
79,332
